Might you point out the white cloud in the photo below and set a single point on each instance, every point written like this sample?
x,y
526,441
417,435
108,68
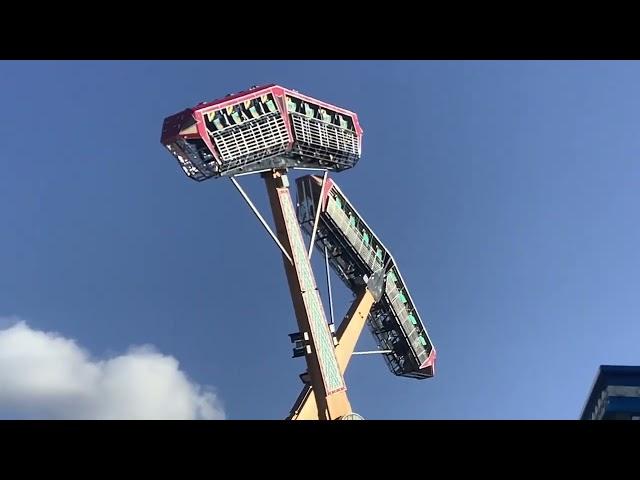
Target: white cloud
x,y
44,375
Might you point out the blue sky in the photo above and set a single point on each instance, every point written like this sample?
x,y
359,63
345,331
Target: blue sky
x,y
507,192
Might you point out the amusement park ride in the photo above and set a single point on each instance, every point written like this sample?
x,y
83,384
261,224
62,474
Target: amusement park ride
x,y
270,130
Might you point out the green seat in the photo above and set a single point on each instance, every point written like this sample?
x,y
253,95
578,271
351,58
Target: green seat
x,y
402,298
237,118
422,341
391,277
254,112
325,116
365,238
308,111
217,123
379,253
343,122
338,202
271,106
352,221
257,104
291,105
412,319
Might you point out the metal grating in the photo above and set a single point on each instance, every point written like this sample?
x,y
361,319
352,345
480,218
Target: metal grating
x,y
252,141
322,134
324,141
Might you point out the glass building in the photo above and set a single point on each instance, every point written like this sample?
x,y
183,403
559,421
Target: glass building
x,y
615,394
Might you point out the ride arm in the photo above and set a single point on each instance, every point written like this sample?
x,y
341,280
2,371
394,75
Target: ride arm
x,y
347,335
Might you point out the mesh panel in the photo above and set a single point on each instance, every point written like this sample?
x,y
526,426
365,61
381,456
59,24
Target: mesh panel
x,y
325,142
252,141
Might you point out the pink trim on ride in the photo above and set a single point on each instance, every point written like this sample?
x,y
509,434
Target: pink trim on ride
x,y
278,93
430,362
324,195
